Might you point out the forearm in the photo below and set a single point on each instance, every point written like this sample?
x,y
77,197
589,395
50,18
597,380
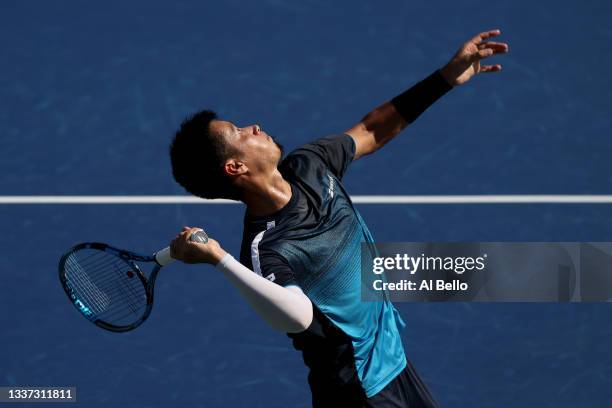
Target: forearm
x,y
284,309
385,122
380,126
412,103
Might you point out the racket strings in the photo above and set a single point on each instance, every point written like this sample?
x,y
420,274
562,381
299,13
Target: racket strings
x,y
129,298
94,296
124,275
81,283
107,285
119,283
116,264
123,307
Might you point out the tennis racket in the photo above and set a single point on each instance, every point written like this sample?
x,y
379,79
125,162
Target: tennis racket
x,y
107,285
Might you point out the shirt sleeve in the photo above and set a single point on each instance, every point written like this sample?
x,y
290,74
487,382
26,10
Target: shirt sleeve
x,y
276,269
265,261
335,151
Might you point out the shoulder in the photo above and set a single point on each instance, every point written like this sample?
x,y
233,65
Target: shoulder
x,y
335,152
322,146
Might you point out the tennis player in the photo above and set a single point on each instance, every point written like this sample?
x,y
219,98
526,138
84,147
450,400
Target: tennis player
x,y
299,264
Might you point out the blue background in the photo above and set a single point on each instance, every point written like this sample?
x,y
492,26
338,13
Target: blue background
x,y
91,93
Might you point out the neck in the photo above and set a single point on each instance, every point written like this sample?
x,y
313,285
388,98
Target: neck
x,y
268,196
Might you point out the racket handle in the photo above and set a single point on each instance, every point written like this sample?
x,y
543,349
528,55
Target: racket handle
x,y
163,257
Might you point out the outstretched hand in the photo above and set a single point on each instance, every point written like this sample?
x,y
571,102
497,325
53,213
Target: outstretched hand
x,y
467,61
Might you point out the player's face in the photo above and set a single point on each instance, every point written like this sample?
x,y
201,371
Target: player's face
x,y
258,150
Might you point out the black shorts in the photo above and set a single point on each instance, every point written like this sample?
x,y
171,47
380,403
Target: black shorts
x,y
407,390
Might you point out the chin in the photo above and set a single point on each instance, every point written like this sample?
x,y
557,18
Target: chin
x,y
280,149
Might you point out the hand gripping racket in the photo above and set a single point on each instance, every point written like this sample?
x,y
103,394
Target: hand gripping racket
x,y
108,287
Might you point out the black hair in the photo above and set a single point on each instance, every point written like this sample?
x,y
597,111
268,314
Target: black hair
x,y
197,158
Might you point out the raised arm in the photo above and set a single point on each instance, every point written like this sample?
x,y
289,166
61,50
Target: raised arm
x,y
386,121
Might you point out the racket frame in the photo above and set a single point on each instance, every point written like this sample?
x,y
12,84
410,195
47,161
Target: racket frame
x,y
128,257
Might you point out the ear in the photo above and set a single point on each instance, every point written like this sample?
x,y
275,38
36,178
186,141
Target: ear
x,y
234,167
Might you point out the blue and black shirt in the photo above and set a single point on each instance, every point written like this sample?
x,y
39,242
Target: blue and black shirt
x,y
353,348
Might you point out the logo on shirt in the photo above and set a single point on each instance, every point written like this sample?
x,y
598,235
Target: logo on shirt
x,y
271,277
330,187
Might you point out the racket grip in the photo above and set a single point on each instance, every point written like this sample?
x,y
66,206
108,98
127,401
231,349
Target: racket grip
x,y
163,257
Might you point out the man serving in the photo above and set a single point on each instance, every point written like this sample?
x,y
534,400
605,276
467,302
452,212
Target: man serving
x,y
300,259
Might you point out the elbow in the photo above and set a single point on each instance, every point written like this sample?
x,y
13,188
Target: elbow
x,y
300,324
298,321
